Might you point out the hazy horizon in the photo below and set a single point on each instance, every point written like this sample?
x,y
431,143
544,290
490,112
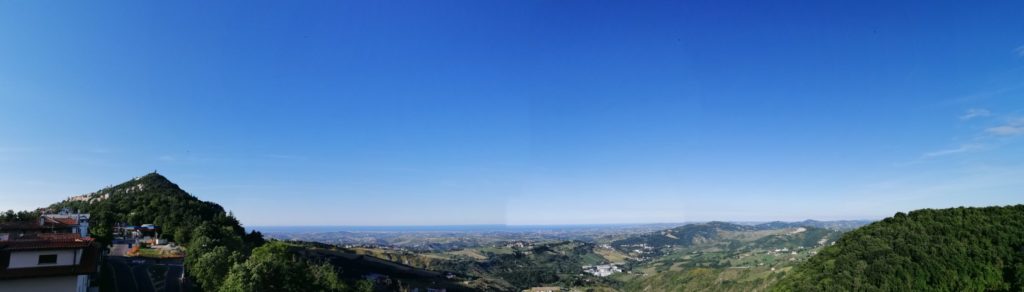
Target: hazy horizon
x,y
521,113
536,225
471,228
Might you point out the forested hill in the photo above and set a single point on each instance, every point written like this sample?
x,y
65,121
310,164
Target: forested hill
x,y
959,249
221,256
152,199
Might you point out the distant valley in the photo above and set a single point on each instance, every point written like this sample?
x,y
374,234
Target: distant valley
x,y
655,257
441,238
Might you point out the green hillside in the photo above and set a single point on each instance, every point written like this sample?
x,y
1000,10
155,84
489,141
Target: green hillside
x,y
959,249
221,256
153,199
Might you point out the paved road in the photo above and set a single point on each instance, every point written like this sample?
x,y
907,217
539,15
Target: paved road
x,y
173,277
123,277
142,278
130,274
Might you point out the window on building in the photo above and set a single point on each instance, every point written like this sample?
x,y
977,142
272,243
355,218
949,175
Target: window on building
x,y
47,259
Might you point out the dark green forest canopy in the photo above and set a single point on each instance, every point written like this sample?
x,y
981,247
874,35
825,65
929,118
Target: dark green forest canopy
x,y
958,249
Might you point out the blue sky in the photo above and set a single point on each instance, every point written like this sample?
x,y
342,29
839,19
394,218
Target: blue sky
x,y
518,112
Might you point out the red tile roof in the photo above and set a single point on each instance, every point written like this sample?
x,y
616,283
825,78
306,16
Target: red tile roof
x,y
59,222
44,241
66,221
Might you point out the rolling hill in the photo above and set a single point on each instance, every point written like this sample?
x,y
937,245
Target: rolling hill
x,y
686,235
696,234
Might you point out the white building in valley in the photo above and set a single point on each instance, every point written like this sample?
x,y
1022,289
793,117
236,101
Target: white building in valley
x,y
602,270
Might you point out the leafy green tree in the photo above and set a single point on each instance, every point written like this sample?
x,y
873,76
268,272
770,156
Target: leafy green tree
x,y
12,216
8,216
210,268
254,239
364,286
326,276
101,227
270,268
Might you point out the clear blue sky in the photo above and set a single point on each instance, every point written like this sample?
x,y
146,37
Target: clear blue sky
x,y
518,112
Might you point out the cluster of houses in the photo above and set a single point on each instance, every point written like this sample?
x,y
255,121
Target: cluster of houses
x,y
638,251
602,270
639,248
544,289
52,253
518,244
376,246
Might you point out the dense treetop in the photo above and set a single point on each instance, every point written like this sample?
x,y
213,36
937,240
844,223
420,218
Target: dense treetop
x,y
959,249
